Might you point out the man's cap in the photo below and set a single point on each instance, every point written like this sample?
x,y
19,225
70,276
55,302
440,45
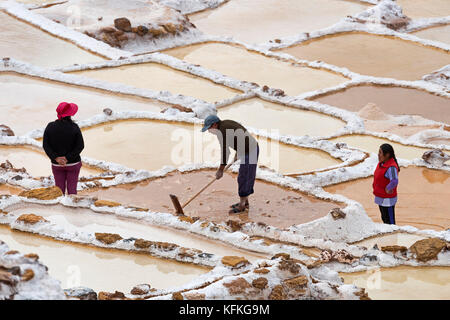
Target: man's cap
x,y
209,121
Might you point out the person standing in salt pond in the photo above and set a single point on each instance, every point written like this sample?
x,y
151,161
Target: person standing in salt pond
x,y
385,181
63,143
232,134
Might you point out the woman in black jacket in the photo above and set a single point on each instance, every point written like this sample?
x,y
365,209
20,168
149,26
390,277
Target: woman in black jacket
x,y
63,143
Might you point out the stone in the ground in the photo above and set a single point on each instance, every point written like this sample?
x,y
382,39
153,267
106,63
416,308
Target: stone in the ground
x,y
362,294
142,30
123,24
282,255
260,283
6,131
262,271
277,293
28,275
394,248
427,249
141,289
142,244
33,256
398,23
234,262
107,111
43,193
337,213
436,157
194,296
30,219
186,219
237,286
81,293
298,284
105,203
108,238
177,296
111,296
234,225
289,265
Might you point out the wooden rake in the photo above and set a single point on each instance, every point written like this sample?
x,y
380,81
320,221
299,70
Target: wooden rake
x,y
176,202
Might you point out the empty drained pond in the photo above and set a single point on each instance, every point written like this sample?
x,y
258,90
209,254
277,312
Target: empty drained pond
x,y
270,204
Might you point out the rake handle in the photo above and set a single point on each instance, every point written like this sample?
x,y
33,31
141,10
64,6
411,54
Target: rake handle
x,y
205,187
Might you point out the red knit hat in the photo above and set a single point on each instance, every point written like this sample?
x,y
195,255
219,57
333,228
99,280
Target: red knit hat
x,y
66,109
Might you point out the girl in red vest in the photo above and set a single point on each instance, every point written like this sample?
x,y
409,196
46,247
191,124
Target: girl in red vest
x,y
385,181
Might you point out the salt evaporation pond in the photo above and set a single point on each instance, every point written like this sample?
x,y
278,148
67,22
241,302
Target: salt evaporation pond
x,y
38,99
150,145
35,161
441,33
405,283
256,21
372,144
241,64
391,239
101,269
392,100
85,220
261,114
270,204
365,53
22,41
159,77
422,198
9,190
425,8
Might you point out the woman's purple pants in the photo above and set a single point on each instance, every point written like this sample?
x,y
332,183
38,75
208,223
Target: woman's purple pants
x,y
67,177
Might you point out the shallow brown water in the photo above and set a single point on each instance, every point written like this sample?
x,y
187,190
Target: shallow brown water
x,y
241,64
159,77
24,42
261,114
255,21
425,8
86,220
30,103
405,283
422,198
270,203
150,145
10,190
100,269
392,100
35,162
441,33
372,144
370,54
392,239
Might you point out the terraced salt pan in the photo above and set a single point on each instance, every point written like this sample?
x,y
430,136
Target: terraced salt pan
x,y
24,42
241,64
373,55
150,145
31,102
439,141
263,114
406,283
86,220
35,161
256,21
392,100
422,198
392,239
425,8
372,144
9,190
270,203
100,269
162,78
441,33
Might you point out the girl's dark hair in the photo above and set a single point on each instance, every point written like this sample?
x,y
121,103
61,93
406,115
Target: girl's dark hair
x,y
387,148
68,118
